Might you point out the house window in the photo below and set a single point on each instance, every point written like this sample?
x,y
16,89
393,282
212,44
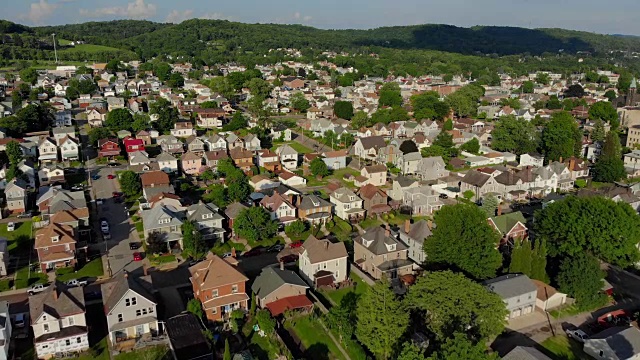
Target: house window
x,y
214,293
46,327
67,342
127,302
144,311
44,317
214,310
150,310
78,340
71,321
138,312
234,289
133,301
120,319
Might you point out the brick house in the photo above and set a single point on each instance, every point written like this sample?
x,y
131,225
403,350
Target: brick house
x,y
108,148
56,246
375,200
242,158
133,145
511,226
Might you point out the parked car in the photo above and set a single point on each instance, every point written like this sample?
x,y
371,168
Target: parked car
x,y
104,226
19,321
577,335
226,255
444,196
137,256
76,282
11,226
99,201
275,248
296,244
113,164
116,194
26,214
95,177
111,176
37,288
289,258
134,245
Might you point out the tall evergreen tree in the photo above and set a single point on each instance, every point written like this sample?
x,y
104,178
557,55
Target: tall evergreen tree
x,y
597,134
539,262
489,205
521,257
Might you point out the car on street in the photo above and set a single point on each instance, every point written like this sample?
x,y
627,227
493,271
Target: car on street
x,y
296,244
104,226
37,288
289,258
113,164
95,177
76,282
275,248
116,194
137,256
134,245
11,226
111,176
25,215
577,334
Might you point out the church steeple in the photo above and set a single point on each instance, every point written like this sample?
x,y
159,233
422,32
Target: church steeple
x,y
631,94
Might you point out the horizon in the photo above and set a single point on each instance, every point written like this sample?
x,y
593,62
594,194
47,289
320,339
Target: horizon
x,y
585,17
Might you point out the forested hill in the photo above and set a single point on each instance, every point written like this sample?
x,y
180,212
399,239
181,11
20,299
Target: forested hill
x,y
194,37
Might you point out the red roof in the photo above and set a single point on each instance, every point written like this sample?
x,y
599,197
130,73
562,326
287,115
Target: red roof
x,y
289,303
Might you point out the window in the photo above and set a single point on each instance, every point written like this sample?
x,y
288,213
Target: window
x,y
45,327
144,311
150,310
234,289
120,319
78,340
215,310
71,321
44,317
214,293
67,342
127,302
138,312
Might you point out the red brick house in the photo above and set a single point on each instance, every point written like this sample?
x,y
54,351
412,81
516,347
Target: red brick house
x,y
133,145
219,286
242,158
511,226
56,246
108,148
375,200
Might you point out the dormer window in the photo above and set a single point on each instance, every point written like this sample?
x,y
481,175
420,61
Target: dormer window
x,y
391,247
55,239
352,198
207,216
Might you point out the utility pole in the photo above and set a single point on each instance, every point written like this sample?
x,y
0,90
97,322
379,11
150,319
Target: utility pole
x,y
55,50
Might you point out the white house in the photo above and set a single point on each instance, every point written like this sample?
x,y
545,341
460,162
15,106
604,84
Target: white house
x,y
167,162
322,262
348,205
288,157
69,149
5,330
47,150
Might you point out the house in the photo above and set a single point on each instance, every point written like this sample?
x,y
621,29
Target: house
x,y
479,183
5,330
183,129
69,148
251,142
517,291
281,207
431,169
511,226
335,160
347,205
108,148
368,147
16,195
170,144
525,353
207,219
56,246
54,199
413,236
123,134
291,179
139,158
231,213
210,118
195,145
313,209
234,141
421,200
278,289
47,150
375,175
145,136
409,163
62,132
131,310
219,286
4,257
269,160
132,145
548,297
155,182
281,132
242,158
167,162
322,262
58,320
187,339
262,182
77,218
216,142
399,185
288,157
615,343
375,200
51,174
96,117
62,118
381,255
535,160
166,221
211,158
191,163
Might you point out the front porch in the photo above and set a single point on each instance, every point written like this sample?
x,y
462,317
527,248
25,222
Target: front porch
x,y
318,218
136,334
57,260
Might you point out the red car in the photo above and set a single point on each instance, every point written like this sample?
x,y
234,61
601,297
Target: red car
x,y
296,244
137,256
111,176
116,194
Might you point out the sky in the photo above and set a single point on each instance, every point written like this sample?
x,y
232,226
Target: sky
x,y
617,17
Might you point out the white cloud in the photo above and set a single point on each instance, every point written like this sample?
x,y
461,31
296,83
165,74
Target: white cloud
x,y
300,18
177,16
214,16
39,11
137,9
296,15
307,18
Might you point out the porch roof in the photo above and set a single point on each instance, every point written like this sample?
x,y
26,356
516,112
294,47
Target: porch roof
x,y
127,324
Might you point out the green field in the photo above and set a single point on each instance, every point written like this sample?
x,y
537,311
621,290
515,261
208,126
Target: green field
x,y
89,48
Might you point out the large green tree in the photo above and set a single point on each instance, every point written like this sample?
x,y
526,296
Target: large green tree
x,y
14,152
607,229
119,119
299,102
98,133
451,303
580,276
130,183
255,224
609,166
166,114
561,138
428,106
343,109
319,167
604,110
514,135
29,75
390,95
462,239
192,242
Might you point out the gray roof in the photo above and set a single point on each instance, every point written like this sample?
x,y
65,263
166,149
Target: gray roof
x,y
68,301
342,194
114,290
511,285
475,178
166,157
419,231
525,353
379,241
623,341
271,278
312,201
196,211
404,181
286,150
233,209
373,141
150,217
414,156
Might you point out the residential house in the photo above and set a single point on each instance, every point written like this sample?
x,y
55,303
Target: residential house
x,y
195,145
269,160
56,246
219,286
421,200
511,226
47,150
132,145
313,209
517,291
76,218
251,142
375,175
69,149
170,144
381,255
167,162
115,103
191,163
210,118
288,157
335,160
139,158
242,158
368,147
54,199
234,141
183,129
322,262
216,142
291,179
579,168
413,236
431,169
166,221
62,132
16,195
231,212
479,183
281,207
409,163
211,158
123,134
145,136
263,182
51,174
347,205
58,321
548,297
278,289
535,160
615,343
525,353
399,185
6,328
96,117
281,132
208,220
375,200
108,148
154,182
63,118
131,310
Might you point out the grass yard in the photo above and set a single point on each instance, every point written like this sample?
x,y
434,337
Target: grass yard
x,y
263,348
394,218
101,349
92,269
336,295
369,222
300,148
314,338
22,231
158,352
162,259
313,181
563,348
220,249
24,278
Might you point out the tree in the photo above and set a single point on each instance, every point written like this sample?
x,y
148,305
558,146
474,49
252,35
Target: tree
x,y
119,119
543,78
521,257
574,90
98,133
296,228
428,106
561,138
468,194
155,243
410,351
167,115
299,102
238,188
359,119
140,122
460,348
580,276
216,194
597,134
604,111
343,109
553,103
266,322
255,224
448,125
319,167
238,121
408,146
472,146
227,352
175,80
192,241
254,305
130,183
29,75
478,312
514,135
194,306
14,152
463,240
610,167
527,87
539,262
390,95
607,229
381,320
342,317
489,205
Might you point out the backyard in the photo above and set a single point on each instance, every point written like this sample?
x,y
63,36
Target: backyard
x,y
562,348
316,341
18,236
263,348
336,296
25,278
370,222
92,269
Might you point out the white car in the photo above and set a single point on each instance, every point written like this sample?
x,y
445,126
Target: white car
x,y
577,334
11,226
104,226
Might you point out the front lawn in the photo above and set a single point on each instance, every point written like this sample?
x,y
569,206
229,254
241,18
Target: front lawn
x,y
21,235
24,278
162,259
564,348
92,269
369,222
336,295
314,338
300,148
221,249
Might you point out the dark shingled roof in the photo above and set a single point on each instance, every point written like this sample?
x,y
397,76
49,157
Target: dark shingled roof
x,y
114,290
511,285
373,141
69,301
380,240
525,353
475,178
185,333
271,278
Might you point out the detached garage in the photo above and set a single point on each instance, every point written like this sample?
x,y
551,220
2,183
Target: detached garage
x,y
548,297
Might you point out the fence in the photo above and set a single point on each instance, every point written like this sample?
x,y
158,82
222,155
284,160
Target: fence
x,y
364,276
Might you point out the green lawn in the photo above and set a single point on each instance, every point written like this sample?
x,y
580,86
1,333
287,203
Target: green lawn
x,y
563,348
100,349
263,348
24,278
22,231
300,148
90,270
312,335
220,249
394,218
369,222
336,295
162,259
150,353
313,181
89,48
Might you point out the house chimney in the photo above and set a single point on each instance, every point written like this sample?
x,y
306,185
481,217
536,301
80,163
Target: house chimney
x,y
499,210
55,292
291,199
281,265
145,270
233,252
407,226
326,245
387,231
572,163
560,160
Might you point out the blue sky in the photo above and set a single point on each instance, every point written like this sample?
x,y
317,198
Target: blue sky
x,y
588,15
